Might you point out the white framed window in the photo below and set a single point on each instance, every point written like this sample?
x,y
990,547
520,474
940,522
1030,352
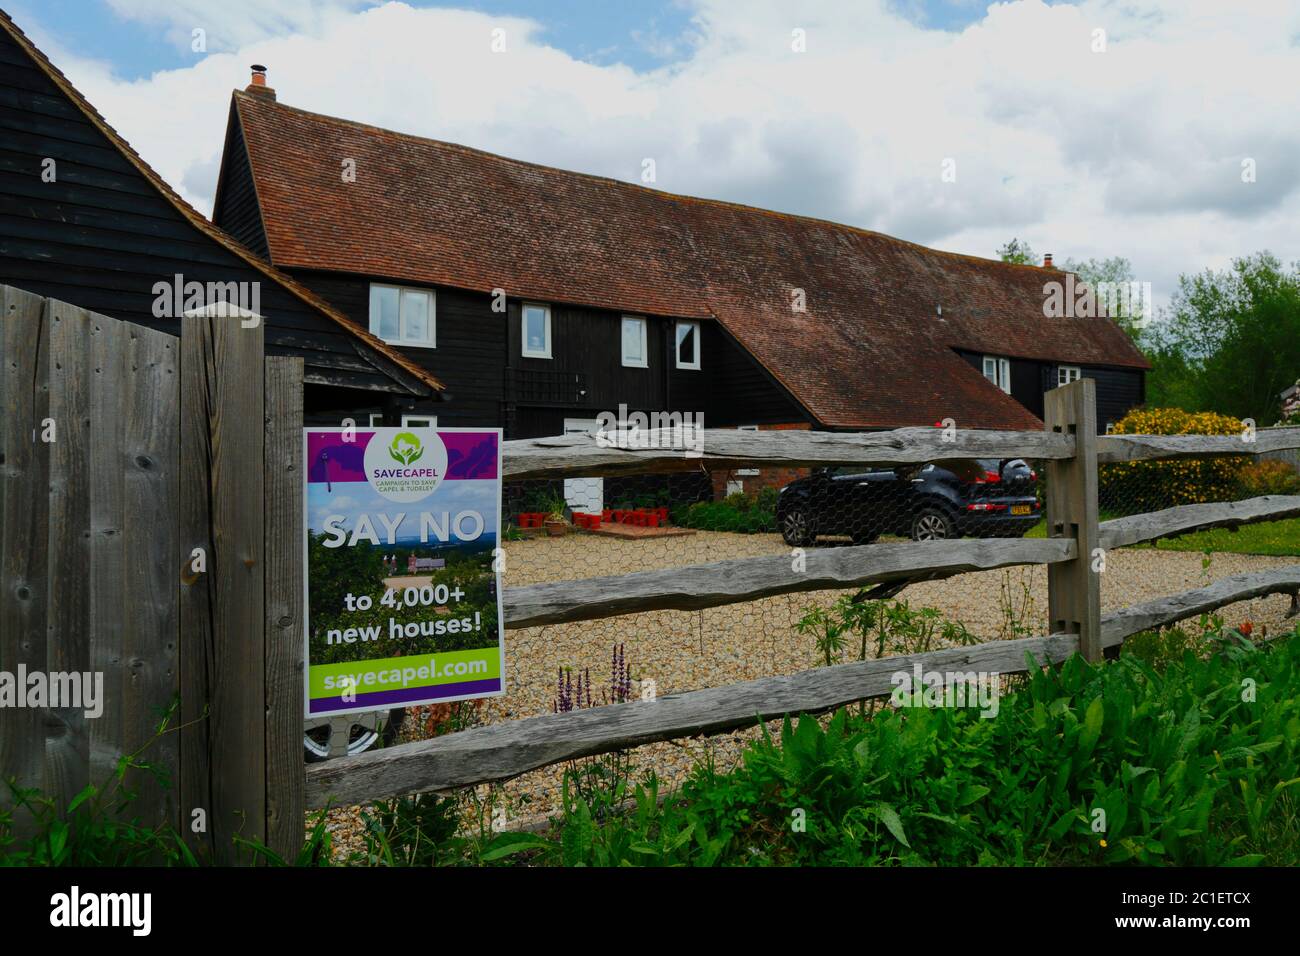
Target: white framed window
x,y
635,354
688,345
998,371
419,421
402,316
746,472
536,330
1065,374
376,419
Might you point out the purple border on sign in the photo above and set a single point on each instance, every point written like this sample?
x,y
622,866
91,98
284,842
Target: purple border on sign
x,y
470,455
383,698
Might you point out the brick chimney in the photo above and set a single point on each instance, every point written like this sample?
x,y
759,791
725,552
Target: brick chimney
x,y
1047,259
258,83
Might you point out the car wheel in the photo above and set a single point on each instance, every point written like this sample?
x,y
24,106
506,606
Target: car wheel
x,y
344,735
797,528
930,524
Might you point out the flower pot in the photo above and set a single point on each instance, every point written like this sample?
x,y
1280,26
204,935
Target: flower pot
x,y
607,515
652,519
663,514
555,528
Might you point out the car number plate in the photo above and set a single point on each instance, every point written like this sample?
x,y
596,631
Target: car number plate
x,y
1020,509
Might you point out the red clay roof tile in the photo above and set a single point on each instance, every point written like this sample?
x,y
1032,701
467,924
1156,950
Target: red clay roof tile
x,y
869,351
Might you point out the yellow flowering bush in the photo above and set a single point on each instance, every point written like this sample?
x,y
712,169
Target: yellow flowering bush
x,y
1139,486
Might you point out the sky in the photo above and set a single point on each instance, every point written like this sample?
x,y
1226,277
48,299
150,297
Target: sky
x,y
1163,131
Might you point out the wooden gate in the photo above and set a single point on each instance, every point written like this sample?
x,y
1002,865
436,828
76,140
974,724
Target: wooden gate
x,y
150,532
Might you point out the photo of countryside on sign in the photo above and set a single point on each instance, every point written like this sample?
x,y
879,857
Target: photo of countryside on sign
x,y
403,601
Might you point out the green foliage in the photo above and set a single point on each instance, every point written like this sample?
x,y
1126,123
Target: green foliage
x,y
886,627
738,512
1019,252
97,827
1187,767
1230,342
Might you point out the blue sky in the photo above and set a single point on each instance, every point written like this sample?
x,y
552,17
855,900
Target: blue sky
x,y
642,35
1089,129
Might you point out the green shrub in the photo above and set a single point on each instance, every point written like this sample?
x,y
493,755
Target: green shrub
x,y
737,512
1181,769
1268,477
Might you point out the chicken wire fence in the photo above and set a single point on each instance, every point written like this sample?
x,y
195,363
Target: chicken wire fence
x,y
576,528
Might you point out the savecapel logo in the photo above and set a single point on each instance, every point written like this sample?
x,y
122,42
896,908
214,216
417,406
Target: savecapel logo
x,y
406,448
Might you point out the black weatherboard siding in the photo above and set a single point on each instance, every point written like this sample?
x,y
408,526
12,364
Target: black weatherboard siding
x,y
1118,389
236,209
100,235
479,357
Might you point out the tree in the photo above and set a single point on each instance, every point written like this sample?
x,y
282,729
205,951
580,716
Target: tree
x,y
1019,253
1111,279
1230,341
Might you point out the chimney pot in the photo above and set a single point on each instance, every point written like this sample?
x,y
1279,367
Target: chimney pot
x,y
1047,261
258,83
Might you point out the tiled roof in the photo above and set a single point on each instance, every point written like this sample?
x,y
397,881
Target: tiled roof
x,y
871,349
202,223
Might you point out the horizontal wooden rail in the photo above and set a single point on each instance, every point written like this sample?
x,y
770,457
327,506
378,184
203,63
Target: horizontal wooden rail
x,y
501,751
1112,449
568,456
1183,519
1119,625
748,579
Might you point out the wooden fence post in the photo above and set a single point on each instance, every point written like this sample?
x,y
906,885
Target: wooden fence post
x,y
1073,587
284,606
223,619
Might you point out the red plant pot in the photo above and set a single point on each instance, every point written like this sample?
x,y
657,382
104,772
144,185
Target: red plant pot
x,y
593,521
652,520
606,515
618,514
663,515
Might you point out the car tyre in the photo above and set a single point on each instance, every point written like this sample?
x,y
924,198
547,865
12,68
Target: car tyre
x,y
350,734
931,524
797,528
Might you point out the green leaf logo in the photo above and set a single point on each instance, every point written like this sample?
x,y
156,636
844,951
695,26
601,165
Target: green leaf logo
x,y
406,448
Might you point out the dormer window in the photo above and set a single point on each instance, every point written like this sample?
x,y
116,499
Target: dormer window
x,y
1065,374
998,371
402,316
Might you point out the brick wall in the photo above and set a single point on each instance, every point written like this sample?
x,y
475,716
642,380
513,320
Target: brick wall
x,y
766,477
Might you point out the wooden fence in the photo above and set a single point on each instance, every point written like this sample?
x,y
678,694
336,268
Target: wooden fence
x,y
166,446
151,531
1070,446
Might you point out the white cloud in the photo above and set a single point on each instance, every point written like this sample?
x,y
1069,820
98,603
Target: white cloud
x,y
1135,151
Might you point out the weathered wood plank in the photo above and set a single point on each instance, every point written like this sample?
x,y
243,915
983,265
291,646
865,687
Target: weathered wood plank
x,y
748,579
284,609
150,463
107,345
24,523
1182,519
573,455
223,623
69,573
1112,449
1119,625
501,751
1073,587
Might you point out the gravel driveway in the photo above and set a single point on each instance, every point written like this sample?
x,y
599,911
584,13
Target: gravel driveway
x,y
687,650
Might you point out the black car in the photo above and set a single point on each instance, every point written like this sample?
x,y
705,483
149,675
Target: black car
x,y
944,499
